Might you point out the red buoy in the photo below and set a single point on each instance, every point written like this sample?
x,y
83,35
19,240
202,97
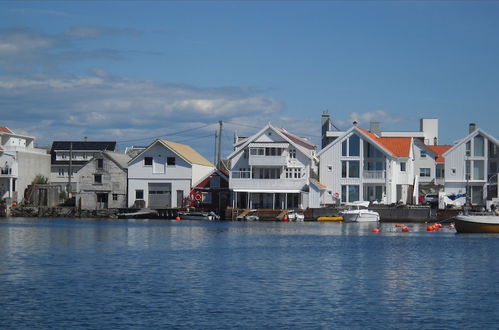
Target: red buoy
x,y
375,230
405,229
177,218
430,228
285,218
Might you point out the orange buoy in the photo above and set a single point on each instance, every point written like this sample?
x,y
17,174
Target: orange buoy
x,y
177,218
285,218
430,228
375,230
405,229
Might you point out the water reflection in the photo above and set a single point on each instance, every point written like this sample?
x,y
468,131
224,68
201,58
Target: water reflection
x,y
138,273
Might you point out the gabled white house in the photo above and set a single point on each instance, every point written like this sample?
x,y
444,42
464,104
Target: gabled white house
x,y
161,176
429,165
20,163
359,165
271,169
473,161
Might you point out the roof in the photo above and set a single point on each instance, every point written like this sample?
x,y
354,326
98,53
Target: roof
x,y
298,140
318,184
187,152
398,146
82,145
472,135
119,158
5,129
439,151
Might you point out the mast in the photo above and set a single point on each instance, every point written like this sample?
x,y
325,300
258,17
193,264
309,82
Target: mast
x,y
219,148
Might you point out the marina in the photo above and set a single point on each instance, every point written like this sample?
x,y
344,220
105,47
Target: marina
x,y
75,273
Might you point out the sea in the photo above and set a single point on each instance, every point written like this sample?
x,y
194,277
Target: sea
x,y
162,274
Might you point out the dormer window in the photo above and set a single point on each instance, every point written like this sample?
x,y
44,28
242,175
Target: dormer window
x,y
422,154
292,153
147,161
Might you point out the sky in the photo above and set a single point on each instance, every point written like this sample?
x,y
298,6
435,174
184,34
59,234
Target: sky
x,y
133,71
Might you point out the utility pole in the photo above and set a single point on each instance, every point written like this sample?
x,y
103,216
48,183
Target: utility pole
x,y
219,149
216,153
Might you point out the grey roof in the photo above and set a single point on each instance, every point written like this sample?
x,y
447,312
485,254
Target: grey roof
x,y
119,158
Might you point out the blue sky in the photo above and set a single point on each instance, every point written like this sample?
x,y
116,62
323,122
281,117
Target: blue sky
x,y
130,71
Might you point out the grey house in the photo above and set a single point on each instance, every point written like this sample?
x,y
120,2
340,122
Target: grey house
x,y
102,182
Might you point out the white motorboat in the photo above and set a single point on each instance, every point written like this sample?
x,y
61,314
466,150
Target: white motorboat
x,y
358,212
477,223
295,216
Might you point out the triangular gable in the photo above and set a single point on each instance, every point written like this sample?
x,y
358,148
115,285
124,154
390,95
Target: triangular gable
x,y
5,129
121,160
260,133
222,175
370,137
439,151
469,137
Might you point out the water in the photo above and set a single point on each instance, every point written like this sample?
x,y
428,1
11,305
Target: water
x,y
102,274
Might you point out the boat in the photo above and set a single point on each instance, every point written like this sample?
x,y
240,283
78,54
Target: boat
x,y
295,216
248,215
210,216
477,223
330,219
140,214
358,212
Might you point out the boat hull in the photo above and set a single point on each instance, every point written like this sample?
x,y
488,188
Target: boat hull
x,y
360,217
330,219
476,224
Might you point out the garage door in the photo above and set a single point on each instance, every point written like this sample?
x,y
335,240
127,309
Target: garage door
x,y
160,195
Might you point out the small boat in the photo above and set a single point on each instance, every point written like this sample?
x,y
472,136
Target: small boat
x,y
358,212
248,215
295,216
210,216
477,223
140,214
330,219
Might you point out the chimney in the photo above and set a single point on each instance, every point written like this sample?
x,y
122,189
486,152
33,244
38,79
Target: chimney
x,y
355,123
375,128
85,139
472,128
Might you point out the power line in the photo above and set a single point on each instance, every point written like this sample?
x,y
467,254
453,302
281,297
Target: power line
x,y
168,134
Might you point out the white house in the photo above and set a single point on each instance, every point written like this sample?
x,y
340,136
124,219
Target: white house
x,y
429,166
162,175
473,162
271,169
20,163
360,165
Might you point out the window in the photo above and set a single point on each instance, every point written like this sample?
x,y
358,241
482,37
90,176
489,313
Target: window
x,y
148,161
478,172
245,153
100,163
478,148
351,146
424,172
330,168
215,182
468,148
422,154
97,178
115,197
170,161
402,167
139,194
349,193
292,153
63,156
350,169
61,172
453,171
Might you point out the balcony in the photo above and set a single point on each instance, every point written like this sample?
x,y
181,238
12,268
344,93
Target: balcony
x,y
5,172
242,180
259,160
374,175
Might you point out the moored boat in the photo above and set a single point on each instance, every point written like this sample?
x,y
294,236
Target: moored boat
x,y
210,216
477,223
140,214
358,212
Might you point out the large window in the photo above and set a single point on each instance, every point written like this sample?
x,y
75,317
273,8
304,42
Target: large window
x,y
351,146
350,169
478,148
478,170
349,193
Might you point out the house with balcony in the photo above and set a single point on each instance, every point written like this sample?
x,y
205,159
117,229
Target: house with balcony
x,y
67,157
162,175
271,170
20,163
359,165
429,166
471,167
102,182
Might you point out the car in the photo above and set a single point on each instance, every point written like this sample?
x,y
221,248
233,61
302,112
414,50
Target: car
x,y
430,199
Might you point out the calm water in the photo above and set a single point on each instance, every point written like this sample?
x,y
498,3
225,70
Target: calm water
x,y
101,274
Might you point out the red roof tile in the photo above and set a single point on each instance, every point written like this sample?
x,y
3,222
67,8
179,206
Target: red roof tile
x,y
439,150
5,130
399,146
300,141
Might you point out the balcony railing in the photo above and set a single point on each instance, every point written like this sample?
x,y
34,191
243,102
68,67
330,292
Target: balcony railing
x,y
6,171
244,180
259,160
375,174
